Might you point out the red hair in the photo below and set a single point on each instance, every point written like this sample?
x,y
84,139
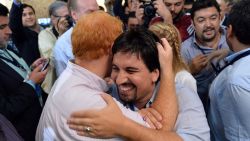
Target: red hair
x,y
94,35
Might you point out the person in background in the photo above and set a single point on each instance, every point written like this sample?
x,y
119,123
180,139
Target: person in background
x,y
62,51
132,21
21,97
209,36
25,31
230,91
59,13
169,11
188,5
171,33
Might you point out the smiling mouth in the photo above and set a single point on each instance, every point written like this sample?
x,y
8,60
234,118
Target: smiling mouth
x,y
125,88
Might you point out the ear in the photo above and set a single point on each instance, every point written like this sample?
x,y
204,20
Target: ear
x,y
229,31
155,74
74,15
192,22
220,15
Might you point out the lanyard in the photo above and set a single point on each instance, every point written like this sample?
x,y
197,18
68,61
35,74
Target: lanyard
x,y
13,61
244,54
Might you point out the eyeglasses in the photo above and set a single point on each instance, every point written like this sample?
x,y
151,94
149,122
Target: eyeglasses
x,y
60,16
3,26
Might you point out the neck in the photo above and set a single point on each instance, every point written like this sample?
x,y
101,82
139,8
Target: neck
x,y
98,66
35,28
238,46
212,44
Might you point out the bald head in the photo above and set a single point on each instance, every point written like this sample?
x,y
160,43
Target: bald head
x,y
80,7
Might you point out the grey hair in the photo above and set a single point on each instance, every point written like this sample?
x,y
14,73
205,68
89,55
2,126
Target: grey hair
x,y
56,5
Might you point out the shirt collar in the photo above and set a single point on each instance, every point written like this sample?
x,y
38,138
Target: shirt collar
x,y
231,57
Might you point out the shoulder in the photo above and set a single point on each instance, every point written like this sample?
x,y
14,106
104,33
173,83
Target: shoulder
x,y
46,33
63,41
187,44
239,74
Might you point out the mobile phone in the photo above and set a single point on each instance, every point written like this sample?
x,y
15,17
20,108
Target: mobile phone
x,y
45,65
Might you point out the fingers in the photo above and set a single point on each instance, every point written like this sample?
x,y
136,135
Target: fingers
x,y
152,121
38,62
152,117
155,113
159,47
78,123
165,44
38,68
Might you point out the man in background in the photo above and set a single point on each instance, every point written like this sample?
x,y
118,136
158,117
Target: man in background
x,y
62,52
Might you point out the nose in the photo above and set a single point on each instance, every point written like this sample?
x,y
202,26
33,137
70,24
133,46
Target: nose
x,y
172,8
208,23
121,78
7,30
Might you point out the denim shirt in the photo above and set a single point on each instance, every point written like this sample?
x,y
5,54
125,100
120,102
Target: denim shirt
x,y
190,49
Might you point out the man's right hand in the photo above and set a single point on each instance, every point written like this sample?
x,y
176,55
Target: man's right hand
x,y
37,76
62,25
152,117
198,63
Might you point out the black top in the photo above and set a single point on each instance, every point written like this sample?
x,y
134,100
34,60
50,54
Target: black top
x,y
26,40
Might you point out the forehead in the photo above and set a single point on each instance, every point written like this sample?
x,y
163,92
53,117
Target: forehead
x,y
87,5
133,20
4,20
27,10
127,59
173,1
62,10
206,12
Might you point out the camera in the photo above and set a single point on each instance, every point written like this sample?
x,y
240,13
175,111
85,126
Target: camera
x,y
70,21
149,11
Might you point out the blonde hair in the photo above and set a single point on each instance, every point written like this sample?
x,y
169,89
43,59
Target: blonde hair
x,y
94,34
171,33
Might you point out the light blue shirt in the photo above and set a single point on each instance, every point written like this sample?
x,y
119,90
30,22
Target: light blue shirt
x,y
62,52
191,123
229,113
190,49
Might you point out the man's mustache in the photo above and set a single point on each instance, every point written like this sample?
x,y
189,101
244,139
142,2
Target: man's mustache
x,y
208,29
